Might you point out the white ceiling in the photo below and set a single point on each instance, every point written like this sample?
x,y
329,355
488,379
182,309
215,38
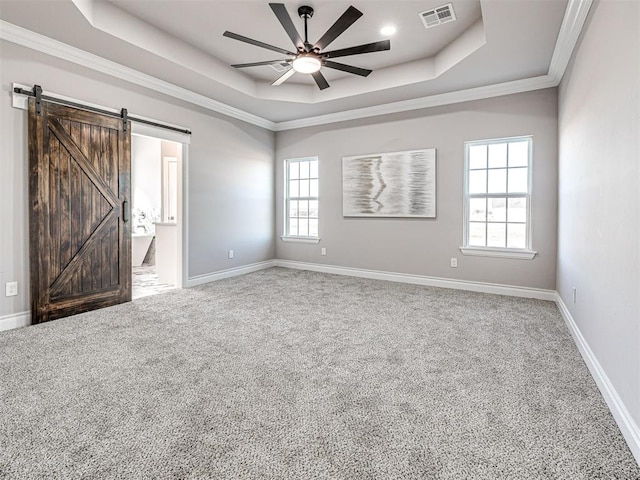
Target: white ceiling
x,y
492,42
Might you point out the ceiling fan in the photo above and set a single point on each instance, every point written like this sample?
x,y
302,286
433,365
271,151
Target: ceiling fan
x,y
311,58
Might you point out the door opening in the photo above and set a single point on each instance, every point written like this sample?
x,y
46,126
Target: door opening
x,y
157,221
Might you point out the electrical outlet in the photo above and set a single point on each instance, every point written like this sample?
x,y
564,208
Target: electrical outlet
x,y
11,289
575,294
454,262
323,251
230,253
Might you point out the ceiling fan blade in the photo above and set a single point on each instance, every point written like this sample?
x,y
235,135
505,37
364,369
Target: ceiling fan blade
x,y
363,72
257,64
257,43
347,19
285,20
320,80
285,76
367,48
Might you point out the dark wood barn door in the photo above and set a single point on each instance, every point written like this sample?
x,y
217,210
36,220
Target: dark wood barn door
x,y
79,188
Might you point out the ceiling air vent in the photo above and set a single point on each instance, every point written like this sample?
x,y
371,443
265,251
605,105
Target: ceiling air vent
x,y
281,67
438,16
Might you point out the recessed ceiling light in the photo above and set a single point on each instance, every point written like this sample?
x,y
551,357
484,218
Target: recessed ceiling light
x,y
388,30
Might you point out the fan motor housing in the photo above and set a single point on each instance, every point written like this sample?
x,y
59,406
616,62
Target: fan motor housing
x,y
305,11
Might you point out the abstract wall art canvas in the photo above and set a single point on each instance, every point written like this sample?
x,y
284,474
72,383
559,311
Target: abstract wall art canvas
x,y
399,184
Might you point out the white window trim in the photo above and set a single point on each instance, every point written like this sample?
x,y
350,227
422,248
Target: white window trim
x,y
293,239
499,252
296,238
517,253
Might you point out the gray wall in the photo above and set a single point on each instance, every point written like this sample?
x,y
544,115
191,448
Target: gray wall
x,y
230,169
599,226
419,246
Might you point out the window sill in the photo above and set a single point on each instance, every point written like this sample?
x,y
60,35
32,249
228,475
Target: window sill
x,y
300,239
499,252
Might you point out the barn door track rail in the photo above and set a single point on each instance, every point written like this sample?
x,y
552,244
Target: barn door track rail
x,y
39,96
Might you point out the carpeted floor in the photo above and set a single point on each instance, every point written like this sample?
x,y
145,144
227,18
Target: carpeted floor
x,y
284,374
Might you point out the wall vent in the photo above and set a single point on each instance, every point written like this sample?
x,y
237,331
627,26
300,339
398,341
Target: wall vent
x,y
438,16
281,67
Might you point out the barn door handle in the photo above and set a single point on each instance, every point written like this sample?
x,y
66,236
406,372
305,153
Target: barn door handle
x,y
125,211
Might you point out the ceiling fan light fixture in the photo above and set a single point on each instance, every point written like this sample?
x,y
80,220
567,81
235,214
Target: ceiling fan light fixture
x,y
306,63
310,58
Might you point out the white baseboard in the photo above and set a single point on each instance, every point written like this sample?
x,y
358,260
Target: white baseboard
x,y
498,289
231,272
628,427
15,320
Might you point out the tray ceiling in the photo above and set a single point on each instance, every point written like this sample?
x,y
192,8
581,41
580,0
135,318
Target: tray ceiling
x,y
180,41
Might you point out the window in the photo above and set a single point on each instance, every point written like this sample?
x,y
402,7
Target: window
x,y
498,197
301,199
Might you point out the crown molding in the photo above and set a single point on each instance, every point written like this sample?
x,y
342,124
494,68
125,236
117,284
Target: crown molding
x,y
26,38
574,18
478,93
572,24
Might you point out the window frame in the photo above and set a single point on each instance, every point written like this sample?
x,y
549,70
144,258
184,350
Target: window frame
x,y
287,198
527,252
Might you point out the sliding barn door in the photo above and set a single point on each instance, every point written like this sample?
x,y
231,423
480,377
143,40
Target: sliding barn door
x,y
79,187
